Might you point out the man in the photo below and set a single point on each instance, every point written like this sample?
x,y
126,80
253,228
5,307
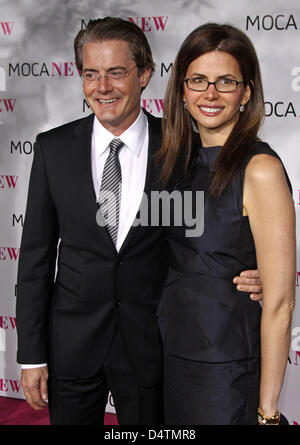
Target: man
x,y
93,325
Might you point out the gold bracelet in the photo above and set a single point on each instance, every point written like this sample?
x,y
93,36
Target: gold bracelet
x,y
268,420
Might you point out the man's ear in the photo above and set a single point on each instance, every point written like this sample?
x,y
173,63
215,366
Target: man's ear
x,y
145,77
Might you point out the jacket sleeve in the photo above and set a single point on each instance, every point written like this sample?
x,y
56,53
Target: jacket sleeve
x,y
36,269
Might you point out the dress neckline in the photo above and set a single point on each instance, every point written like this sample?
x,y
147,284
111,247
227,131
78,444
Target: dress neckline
x,y
207,155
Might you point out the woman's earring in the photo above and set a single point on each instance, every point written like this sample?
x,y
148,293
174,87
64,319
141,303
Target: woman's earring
x,y
242,108
184,105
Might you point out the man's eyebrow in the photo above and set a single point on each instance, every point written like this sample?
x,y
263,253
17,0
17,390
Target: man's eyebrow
x,y
118,67
109,69
90,69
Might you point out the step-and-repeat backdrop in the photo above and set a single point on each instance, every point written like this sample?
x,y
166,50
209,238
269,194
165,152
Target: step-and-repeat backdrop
x,y
40,88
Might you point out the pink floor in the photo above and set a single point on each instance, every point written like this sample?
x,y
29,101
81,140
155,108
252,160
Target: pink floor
x,y
18,412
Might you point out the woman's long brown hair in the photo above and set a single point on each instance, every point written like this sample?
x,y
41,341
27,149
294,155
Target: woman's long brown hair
x,y
177,122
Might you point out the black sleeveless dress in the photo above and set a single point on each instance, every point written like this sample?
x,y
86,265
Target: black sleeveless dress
x,y
211,330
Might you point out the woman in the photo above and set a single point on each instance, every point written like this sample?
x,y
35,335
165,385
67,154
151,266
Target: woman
x,y
225,360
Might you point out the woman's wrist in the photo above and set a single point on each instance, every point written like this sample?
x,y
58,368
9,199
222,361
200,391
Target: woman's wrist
x,y
268,416
267,409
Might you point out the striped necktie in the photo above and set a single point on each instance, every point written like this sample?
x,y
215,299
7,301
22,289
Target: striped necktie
x,y
110,190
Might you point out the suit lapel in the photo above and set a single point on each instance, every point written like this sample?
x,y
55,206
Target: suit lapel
x,y
80,156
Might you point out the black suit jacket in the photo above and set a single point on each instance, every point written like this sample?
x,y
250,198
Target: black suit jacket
x,y
68,321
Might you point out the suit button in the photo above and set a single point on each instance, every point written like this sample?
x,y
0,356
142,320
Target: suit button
x,y
118,262
117,302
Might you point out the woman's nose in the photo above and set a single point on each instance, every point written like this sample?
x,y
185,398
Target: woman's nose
x,y
211,92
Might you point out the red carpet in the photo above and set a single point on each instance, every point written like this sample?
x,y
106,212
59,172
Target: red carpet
x,y
18,412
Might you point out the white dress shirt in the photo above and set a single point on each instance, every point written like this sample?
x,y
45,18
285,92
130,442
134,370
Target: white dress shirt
x,y
133,158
